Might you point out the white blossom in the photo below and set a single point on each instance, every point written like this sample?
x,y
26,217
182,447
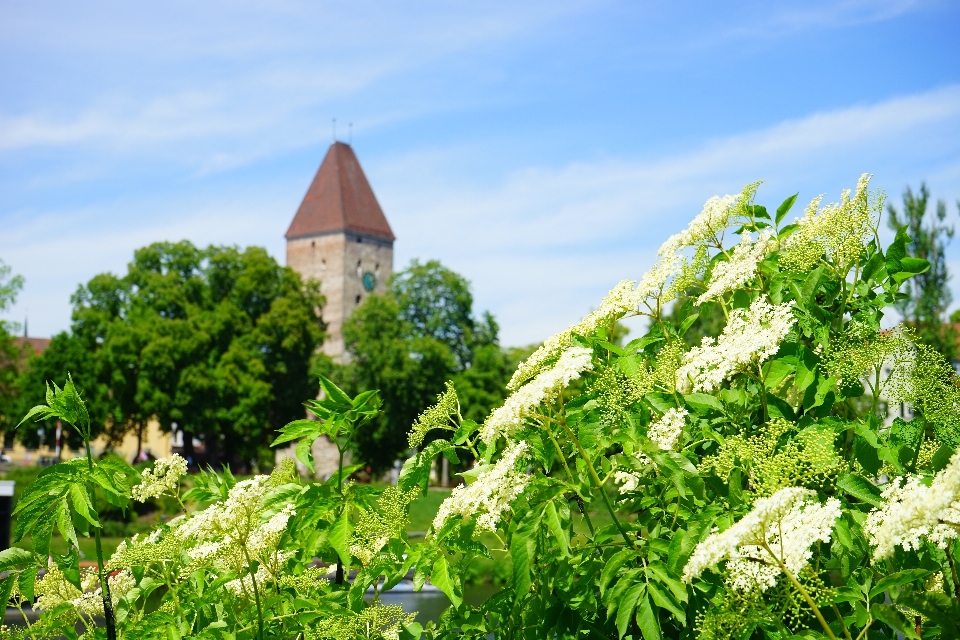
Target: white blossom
x,y
785,525
490,495
751,336
621,299
740,268
915,512
506,419
163,478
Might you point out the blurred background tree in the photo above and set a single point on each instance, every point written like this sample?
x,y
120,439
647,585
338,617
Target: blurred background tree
x,y
10,356
928,295
217,340
408,343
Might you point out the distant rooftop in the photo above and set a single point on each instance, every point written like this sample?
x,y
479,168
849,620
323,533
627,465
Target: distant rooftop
x,y
39,345
340,199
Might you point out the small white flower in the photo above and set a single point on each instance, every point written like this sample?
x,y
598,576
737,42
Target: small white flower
x,y
751,336
740,268
490,495
163,478
787,523
915,512
506,419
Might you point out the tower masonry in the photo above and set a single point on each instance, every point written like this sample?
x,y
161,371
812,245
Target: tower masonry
x,y
340,236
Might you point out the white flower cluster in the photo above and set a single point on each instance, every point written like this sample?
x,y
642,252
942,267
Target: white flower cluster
x,y
741,267
627,296
751,335
621,299
779,530
665,433
915,512
53,589
490,495
506,419
163,478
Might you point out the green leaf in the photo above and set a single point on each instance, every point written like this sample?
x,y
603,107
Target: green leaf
x,y
6,587
297,429
80,500
612,566
647,620
809,287
892,616
26,581
687,323
787,230
41,537
65,523
897,251
440,578
785,207
775,372
339,537
860,488
627,605
304,453
914,265
335,393
665,600
522,547
10,558
702,402
898,579
552,519
670,579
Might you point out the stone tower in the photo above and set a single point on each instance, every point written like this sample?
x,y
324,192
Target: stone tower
x,y
341,237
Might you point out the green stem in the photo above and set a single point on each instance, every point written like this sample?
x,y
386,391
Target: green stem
x,y
953,571
598,484
339,576
806,595
256,590
104,584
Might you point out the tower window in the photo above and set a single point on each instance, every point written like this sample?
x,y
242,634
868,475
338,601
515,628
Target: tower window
x,y
359,269
359,239
376,270
358,299
313,244
323,263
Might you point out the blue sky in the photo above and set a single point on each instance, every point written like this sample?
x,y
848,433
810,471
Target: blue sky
x,y
541,149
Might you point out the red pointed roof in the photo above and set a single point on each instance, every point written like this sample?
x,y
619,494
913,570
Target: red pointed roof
x,y
340,199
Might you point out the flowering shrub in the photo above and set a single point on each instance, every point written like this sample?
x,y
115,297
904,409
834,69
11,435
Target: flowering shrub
x,y
750,486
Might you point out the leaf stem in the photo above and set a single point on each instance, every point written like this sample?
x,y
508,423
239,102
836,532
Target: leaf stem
x,y
599,485
104,584
256,590
806,595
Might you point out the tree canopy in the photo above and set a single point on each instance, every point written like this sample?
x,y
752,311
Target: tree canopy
x,y
927,295
10,285
408,342
217,340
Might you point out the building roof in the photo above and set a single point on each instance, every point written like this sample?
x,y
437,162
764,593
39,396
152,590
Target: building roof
x,y
340,199
38,345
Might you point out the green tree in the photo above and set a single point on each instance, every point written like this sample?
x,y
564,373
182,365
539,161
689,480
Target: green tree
x,y
217,340
9,354
408,343
927,295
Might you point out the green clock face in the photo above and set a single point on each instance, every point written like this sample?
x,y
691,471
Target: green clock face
x,y
369,282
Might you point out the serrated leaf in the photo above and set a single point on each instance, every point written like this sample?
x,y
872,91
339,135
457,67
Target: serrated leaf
x,y
612,566
339,538
647,620
892,617
304,453
6,587
627,605
522,548
898,579
552,520
860,488
702,402
10,558
440,578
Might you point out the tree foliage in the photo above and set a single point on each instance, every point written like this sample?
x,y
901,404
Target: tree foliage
x,y
217,340
10,356
408,342
928,294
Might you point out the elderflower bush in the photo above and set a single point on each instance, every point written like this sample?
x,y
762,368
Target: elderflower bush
x,y
748,485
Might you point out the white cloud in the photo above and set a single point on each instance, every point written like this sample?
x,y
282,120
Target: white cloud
x,y
543,246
